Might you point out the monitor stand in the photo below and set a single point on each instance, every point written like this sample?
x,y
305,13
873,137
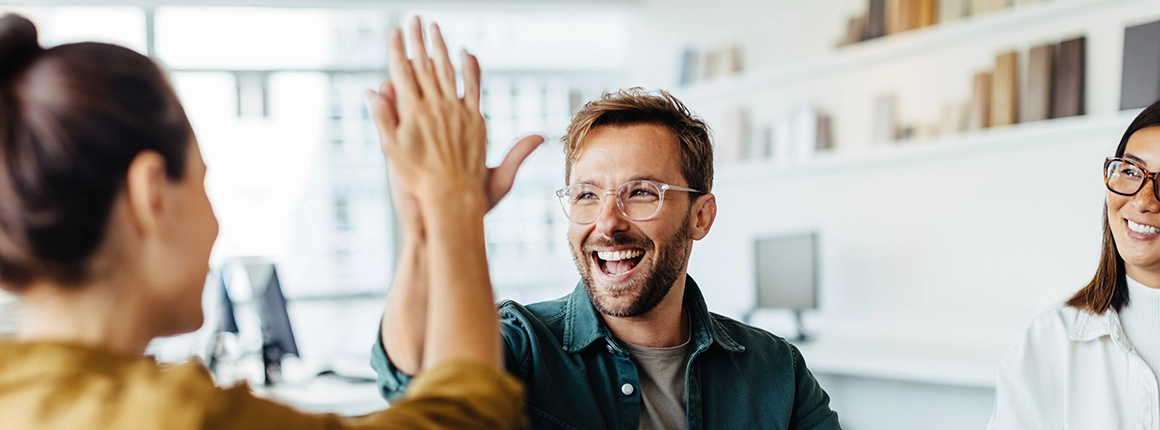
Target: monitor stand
x,y
802,336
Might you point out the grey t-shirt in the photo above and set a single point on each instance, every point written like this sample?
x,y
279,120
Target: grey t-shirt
x,y
662,384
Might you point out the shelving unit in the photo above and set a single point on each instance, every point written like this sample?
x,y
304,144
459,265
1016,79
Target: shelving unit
x,y
926,239
926,69
889,48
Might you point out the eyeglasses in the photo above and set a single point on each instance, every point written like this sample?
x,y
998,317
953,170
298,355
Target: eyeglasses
x,y
1126,178
638,200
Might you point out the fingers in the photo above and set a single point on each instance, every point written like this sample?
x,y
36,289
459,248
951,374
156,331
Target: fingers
x,y
471,87
421,63
503,176
400,68
444,72
385,116
387,92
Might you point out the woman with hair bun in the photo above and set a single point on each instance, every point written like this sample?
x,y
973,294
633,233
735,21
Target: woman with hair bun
x,y
106,232
1093,362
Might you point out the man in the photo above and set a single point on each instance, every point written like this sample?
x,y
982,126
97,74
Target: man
x,y
634,346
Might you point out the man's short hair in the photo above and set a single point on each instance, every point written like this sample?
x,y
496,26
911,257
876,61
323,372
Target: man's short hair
x,y
639,106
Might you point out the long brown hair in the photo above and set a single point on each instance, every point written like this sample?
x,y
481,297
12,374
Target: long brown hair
x,y
1108,289
72,118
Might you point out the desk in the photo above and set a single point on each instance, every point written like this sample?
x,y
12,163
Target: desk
x,y
327,395
960,365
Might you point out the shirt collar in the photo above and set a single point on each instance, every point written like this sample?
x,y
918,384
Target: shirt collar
x,y
583,325
1089,326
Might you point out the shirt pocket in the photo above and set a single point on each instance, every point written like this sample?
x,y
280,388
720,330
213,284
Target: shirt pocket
x,y
541,419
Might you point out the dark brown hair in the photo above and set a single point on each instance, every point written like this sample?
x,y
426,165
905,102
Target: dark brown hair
x,y
72,118
637,106
1108,289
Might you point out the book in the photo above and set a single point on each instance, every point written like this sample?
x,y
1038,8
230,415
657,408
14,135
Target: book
x,y
1068,79
1140,82
1005,90
1036,105
986,6
885,122
952,119
855,30
805,133
926,13
711,64
761,142
979,108
688,65
825,133
950,10
734,135
896,18
875,19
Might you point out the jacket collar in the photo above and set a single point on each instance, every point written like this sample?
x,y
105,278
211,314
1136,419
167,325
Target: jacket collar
x,y
1089,326
583,325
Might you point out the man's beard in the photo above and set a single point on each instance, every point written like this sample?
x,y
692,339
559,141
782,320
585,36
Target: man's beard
x,y
650,287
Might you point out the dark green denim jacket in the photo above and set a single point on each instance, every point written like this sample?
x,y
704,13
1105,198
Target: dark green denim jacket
x,y
738,377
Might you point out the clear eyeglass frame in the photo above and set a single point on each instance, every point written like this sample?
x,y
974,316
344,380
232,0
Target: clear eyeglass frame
x,y
568,196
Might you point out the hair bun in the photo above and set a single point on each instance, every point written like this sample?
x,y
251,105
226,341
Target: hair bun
x,y
18,44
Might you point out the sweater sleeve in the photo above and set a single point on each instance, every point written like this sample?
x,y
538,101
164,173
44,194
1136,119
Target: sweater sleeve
x,y
459,395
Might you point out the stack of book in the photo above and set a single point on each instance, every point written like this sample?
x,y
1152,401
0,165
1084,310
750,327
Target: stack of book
x,y
886,17
791,136
702,64
1053,88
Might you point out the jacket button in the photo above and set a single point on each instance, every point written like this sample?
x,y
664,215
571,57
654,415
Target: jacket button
x,y
611,350
627,389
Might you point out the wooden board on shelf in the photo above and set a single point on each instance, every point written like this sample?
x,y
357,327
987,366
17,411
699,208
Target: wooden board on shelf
x,y
1068,78
1036,103
1140,83
1005,90
979,109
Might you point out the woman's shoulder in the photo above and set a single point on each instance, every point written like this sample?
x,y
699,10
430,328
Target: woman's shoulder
x,y
1056,329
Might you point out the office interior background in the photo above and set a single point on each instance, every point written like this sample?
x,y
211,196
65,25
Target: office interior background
x,y
951,194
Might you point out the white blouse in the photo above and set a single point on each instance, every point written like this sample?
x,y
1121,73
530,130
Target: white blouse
x,y
1075,370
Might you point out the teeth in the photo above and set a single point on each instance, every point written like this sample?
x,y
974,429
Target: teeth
x,y
1142,229
619,255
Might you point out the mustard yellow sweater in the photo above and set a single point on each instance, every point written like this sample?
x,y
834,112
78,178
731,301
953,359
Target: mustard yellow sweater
x,y
56,386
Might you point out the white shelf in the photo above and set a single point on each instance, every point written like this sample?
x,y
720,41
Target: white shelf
x,y
1105,129
889,48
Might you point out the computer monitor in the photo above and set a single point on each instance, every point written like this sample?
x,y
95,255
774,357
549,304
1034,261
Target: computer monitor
x,y
224,321
277,335
787,274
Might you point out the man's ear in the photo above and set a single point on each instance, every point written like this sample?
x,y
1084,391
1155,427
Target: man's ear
x,y
704,212
145,189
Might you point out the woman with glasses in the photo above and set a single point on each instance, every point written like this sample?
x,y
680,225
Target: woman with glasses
x,y
106,232
1093,362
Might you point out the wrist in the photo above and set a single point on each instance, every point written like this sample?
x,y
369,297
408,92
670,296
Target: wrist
x,y
443,200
